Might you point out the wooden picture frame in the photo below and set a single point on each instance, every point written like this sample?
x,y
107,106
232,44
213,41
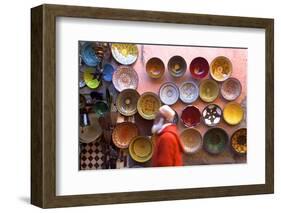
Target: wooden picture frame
x,y
43,105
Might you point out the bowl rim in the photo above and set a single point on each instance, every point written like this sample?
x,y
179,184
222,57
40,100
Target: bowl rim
x,y
139,107
196,87
196,76
188,106
136,158
119,96
237,104
206,108
116,58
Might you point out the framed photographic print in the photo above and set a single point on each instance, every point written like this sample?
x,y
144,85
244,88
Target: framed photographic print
x,y
136,106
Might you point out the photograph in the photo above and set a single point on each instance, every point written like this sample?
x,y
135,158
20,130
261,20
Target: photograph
x,y
159,105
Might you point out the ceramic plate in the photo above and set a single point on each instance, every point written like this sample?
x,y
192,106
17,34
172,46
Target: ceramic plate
x,y
141,149
239,141
148,105
100,108
125,54
90,133
192,140
169,93
123,134
209,90
155,67
125,77
221,68
127,102
189,92
199,68
191,116
88,54
231,89
233,113
215,140
212,115
90,80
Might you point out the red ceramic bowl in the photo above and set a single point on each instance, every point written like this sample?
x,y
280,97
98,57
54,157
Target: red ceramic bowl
x,y
191,116
199,68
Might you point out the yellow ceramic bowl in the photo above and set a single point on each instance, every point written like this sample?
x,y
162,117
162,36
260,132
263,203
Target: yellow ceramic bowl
x,y
141,149
155,67
233,113
125,54
221,68
208,90
148,105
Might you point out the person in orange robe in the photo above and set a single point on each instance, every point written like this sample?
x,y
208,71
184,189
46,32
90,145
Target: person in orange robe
x,y
168,148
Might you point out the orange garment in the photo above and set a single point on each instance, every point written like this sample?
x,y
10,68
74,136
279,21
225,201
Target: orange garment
x,y
168,150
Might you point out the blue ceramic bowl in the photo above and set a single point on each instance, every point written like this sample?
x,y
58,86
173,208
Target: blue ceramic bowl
x,y
88,55
107,73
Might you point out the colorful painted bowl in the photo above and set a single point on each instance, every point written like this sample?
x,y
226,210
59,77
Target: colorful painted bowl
x,y
155,67
123,133
169,93
233,113
126,102
125,77
88,55
107,72
215,140
189,92
212,114
177,66
90,79
239,141
191,116
125,54
199,68
209,90
192,140
141,149
100,108
221,68
231,89
90,133
148,105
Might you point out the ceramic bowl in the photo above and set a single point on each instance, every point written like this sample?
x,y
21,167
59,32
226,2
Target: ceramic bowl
x,y
208,90
88,54
231,89
215,140
192,140
126,102
125,54
221,68
233,113
177,66
239,141
212,114
125,77
123,133
199,68
169,93
155,67
141,149
90,79
189,92
191,116
92,132
148,105
107,72
100,108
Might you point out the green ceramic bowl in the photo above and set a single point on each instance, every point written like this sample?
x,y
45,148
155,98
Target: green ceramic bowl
x,y
215,140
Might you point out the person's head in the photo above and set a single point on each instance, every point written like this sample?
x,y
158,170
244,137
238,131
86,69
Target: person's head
x,y
165,115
